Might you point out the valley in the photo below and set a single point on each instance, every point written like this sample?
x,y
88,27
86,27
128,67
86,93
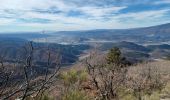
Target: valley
x,y
140,43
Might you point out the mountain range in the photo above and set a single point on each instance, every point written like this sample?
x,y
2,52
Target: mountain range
x,y
136,43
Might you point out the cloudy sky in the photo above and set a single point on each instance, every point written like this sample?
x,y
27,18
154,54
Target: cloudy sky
x,y
57,15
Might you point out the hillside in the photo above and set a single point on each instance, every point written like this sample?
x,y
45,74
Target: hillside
x,y
138,72
136,52
13,49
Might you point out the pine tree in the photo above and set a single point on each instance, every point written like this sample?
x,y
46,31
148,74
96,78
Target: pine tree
x,y
114,56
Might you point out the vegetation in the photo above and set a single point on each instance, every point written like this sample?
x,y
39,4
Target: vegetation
x,y
15,50
23,84
114,56
73,81
75,95
114,80
110,77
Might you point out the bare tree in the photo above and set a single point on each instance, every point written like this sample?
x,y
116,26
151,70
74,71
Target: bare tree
x,y
144,79
107,78
29,85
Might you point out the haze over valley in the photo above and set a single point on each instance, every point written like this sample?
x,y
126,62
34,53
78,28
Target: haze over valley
x,y
142,42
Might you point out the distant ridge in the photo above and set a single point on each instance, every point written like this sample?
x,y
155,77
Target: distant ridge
x,y
157,29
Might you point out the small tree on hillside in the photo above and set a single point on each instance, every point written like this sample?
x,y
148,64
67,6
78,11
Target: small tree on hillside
x,y
114,56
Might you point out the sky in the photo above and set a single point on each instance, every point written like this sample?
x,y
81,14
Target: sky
x,y
68,15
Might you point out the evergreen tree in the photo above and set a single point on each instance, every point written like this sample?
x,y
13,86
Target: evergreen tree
x,y
114,56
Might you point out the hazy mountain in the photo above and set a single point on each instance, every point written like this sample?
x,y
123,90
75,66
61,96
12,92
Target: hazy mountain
x,y
164,28
136,52
25,35
146,35
163,46
125,45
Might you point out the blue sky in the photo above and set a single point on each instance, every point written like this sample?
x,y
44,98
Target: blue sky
x,y
65,15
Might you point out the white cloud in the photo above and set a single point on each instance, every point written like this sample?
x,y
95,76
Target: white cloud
x,y
24,4
26,10
93,15
99,11
144,15
4,21
162,2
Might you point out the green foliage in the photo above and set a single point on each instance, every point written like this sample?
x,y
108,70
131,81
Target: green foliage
x,y
73,76
154,96
114,56
70,77
83,76
47,97
75,95
129,97
125,94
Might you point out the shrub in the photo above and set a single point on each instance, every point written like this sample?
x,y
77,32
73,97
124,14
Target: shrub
x,y
166,91
83,76
47,97
154,96
70,77
73,76
44,96
75,95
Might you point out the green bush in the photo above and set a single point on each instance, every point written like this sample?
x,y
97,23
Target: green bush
x,y
47,97
73,76
128,97
70,77
75,95
83,76
154,96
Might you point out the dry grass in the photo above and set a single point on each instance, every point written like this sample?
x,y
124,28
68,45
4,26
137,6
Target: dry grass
x,y
146,75
163,67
